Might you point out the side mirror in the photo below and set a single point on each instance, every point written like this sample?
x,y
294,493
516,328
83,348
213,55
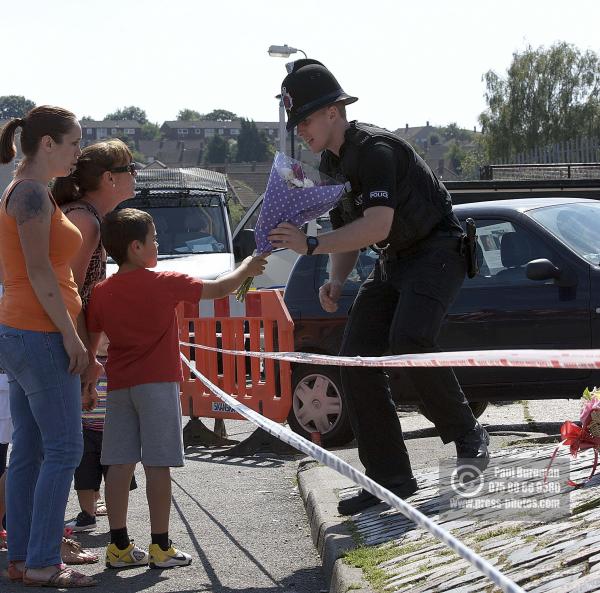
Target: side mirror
x,y
244,244
544,269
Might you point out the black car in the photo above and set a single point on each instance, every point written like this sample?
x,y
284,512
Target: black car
x,y
538,287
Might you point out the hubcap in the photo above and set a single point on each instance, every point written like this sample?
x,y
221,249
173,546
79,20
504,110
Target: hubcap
x,y
317,403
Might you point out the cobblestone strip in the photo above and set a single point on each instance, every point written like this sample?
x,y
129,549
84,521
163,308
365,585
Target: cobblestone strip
x,y
553,557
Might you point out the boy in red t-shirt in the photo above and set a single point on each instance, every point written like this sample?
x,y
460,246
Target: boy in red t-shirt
x,y
136,309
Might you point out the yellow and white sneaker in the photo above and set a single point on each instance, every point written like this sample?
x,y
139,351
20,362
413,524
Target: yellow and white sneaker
x,y
160,558
130,556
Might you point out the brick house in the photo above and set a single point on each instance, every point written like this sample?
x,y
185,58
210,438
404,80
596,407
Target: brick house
x,y
204,130
92,131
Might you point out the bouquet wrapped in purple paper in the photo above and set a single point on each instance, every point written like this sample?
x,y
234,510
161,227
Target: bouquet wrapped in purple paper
x,y
296,193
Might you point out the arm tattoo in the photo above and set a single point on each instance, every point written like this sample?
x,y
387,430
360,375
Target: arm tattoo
x,y
30,203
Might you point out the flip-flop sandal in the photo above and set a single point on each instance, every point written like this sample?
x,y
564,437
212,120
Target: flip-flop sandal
x,y
73,553
64,578
13,573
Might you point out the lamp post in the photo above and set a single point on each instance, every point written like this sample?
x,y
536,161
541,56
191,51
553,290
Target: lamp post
x,y
282,130
284,51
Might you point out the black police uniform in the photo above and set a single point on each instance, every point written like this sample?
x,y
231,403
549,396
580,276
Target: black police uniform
x,y
401,306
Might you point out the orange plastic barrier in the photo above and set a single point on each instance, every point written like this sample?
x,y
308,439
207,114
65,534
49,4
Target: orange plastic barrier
x,y
262,322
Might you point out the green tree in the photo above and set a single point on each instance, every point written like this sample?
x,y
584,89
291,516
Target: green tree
x,y
14,106
547,96
150,131
87,118
453,132
189,115
472,160
130,113
252,144
219,115
217,150
434,139
455,155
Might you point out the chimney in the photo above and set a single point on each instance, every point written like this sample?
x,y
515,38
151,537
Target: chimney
x,y
475,129
427,123
407,127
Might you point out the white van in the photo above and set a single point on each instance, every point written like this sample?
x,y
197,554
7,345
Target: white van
x,y
189,208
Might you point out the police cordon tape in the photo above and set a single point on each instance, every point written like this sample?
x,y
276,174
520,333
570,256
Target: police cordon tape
x,y
554,359
339,465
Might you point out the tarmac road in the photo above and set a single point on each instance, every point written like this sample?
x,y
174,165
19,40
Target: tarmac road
x,y
242,520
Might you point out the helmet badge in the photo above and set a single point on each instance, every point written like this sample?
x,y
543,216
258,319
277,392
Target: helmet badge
x,y
287,99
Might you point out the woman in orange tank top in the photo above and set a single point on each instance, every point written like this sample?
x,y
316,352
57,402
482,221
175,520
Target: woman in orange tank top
x,y
40,348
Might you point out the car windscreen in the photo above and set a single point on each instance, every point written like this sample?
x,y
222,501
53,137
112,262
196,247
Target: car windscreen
x,y
185,224
576,224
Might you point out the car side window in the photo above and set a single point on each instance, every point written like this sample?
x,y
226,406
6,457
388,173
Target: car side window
x,y
503,250
360,272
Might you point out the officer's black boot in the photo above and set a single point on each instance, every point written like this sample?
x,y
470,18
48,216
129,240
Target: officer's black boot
x,y
472,451
363,500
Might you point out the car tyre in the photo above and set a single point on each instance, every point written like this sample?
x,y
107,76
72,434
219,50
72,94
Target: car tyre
x,y
478,408
318,405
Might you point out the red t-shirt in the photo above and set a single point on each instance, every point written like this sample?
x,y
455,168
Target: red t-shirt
x,y
136,310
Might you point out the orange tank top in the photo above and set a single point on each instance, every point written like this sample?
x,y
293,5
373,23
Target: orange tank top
x,y
19,305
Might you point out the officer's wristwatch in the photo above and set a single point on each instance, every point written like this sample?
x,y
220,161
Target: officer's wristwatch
x,y
311,244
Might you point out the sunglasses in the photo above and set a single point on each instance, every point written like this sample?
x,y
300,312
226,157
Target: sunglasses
x,y
130,168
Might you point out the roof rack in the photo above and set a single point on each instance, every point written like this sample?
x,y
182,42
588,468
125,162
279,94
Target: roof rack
x,y
192,178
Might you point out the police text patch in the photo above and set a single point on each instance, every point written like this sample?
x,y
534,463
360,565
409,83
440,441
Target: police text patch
x,y
378,195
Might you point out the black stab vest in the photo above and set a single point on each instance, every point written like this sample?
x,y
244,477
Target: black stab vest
x,y
424,204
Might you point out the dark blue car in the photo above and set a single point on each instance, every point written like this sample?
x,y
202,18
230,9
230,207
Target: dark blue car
x,y
538,287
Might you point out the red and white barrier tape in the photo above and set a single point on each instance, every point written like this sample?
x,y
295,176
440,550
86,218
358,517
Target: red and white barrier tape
x,y
552,359
339,465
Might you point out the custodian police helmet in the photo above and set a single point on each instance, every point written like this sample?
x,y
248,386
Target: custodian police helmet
x,y
307,88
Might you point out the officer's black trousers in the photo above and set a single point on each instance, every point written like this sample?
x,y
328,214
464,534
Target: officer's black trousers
x,y
403,315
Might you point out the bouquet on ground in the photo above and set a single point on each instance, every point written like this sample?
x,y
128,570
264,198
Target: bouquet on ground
x,y
584,434
296,193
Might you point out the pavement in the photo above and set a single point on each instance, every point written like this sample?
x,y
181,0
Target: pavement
x,y
557,552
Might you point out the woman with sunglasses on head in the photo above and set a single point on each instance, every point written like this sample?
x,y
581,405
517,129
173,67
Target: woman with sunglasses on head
x,y
40,349
103,178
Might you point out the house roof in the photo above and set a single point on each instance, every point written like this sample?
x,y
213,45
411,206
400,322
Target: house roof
x,y
111,123
211,124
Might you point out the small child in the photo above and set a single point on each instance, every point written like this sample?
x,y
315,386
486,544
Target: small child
x,y
136,309
89,473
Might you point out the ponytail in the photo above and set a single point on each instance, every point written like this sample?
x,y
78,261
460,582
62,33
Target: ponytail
x,y
66,189
8,150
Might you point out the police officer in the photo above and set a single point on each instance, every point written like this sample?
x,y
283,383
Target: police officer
x,y
394,203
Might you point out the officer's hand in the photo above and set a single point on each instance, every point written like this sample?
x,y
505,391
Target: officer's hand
x,y
329,295
288,236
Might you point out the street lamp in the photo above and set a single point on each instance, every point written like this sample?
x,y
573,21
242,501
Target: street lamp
x,y
284,51
282,130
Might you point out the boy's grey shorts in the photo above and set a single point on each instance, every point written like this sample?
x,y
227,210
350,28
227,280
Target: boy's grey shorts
x,y
143,423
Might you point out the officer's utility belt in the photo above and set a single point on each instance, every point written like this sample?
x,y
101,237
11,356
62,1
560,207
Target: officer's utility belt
x,y
465,245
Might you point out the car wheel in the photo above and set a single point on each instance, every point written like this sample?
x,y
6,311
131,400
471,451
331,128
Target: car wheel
x,y
478,408
317,405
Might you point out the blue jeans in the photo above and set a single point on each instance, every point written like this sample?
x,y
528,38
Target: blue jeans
x,y
45,405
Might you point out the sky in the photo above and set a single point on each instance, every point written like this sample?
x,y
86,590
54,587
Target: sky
x,y
408,62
